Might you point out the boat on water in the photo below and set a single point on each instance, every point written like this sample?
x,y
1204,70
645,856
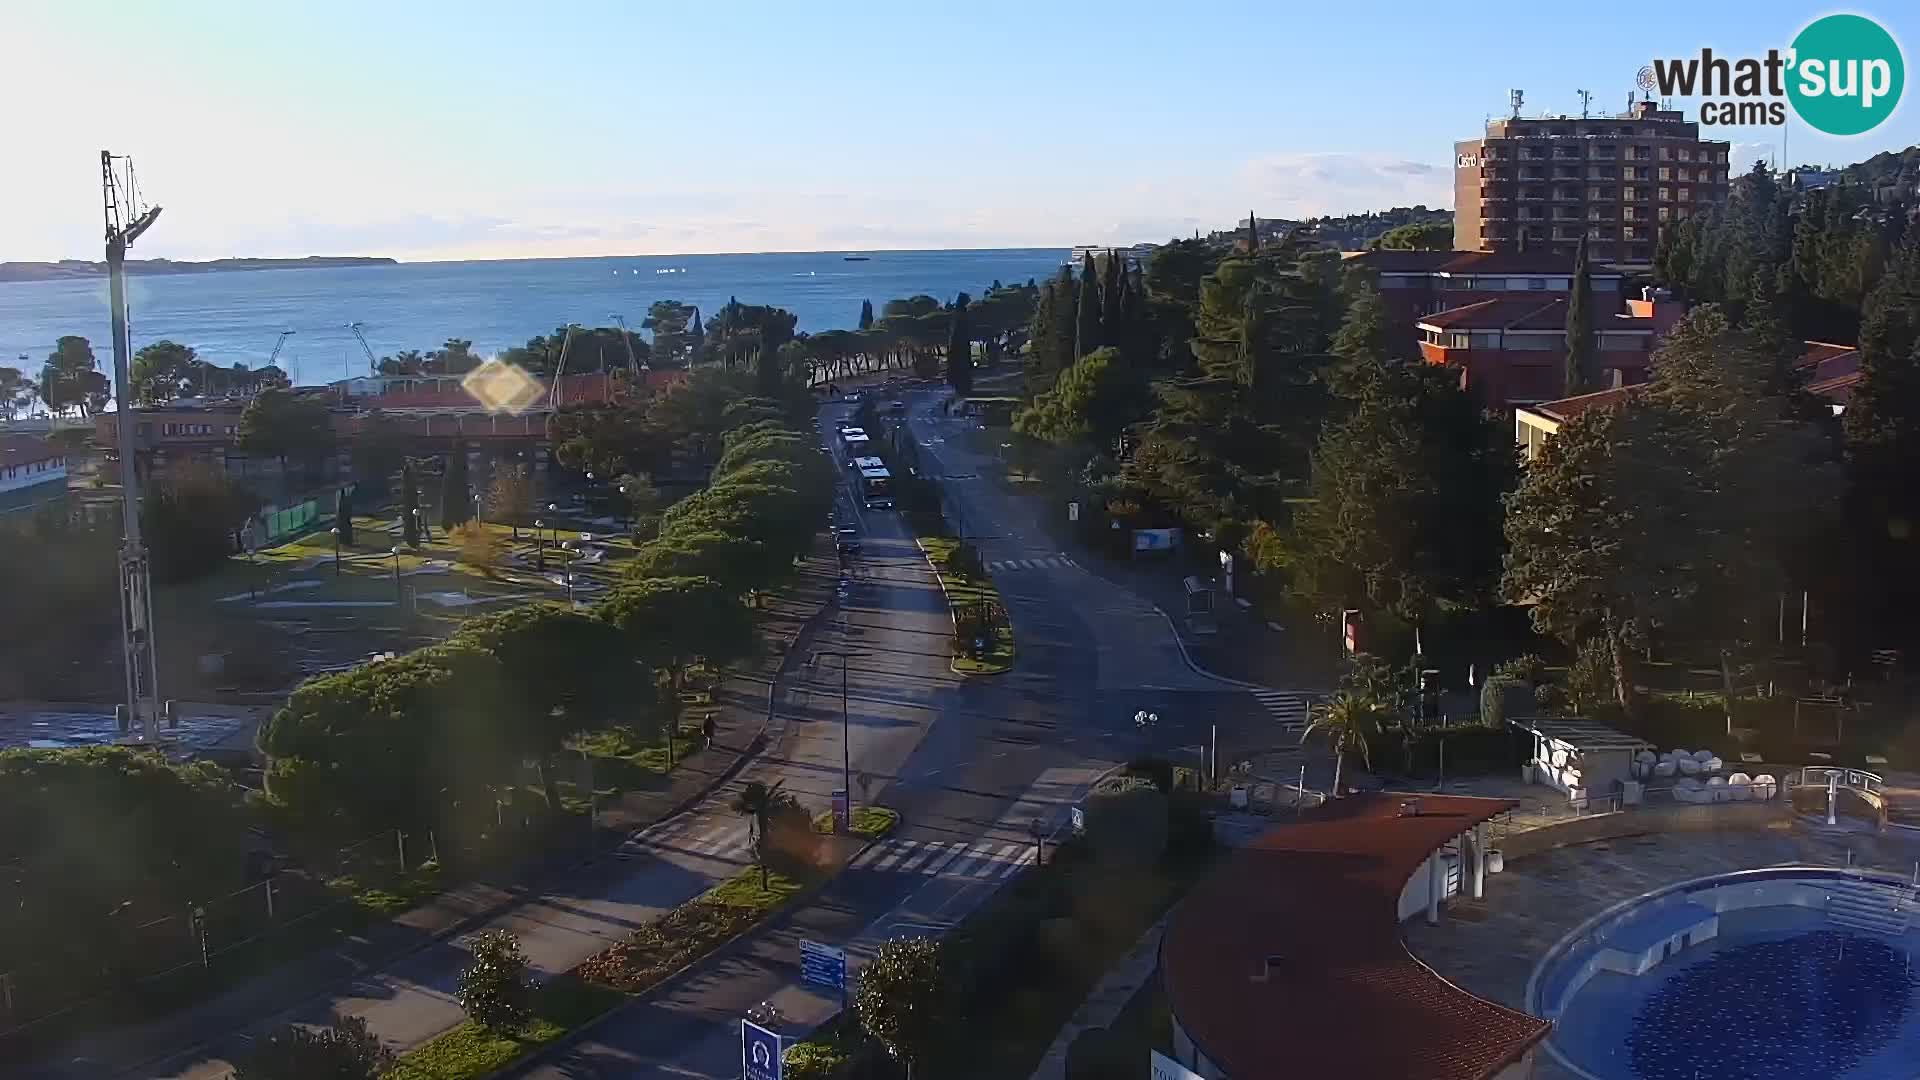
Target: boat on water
x,y
854,258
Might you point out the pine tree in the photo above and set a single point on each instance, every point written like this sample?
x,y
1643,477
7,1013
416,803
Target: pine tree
x,y
960,350
696,339
456,502
1087,312
866,314
1110,314
1581,376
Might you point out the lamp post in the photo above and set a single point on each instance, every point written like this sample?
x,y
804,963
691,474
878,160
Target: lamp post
x,y
336,550
566,564
846,726
540,538
398,599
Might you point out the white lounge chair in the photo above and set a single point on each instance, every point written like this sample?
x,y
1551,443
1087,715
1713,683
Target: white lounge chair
x,y
1664,769
1712,764
1765,786
1717,789
1703,755
1687,766
1687,790
1741,785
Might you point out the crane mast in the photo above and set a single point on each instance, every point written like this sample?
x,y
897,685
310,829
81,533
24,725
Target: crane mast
x,y
125,222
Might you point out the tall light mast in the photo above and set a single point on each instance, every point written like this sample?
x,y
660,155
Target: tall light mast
x,y
125,222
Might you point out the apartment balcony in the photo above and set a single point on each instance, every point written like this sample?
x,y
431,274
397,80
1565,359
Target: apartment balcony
x,y
1566,196
1532,195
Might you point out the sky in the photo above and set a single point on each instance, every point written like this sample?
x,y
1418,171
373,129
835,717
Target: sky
x,y
427,130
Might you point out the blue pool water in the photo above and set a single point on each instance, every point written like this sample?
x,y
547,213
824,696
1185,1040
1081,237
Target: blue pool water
x,y
1780,994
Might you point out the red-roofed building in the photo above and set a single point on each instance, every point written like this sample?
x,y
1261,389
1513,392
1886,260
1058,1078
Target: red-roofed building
x,y
1831,370
32,471
1513,350
1288,961
1415,284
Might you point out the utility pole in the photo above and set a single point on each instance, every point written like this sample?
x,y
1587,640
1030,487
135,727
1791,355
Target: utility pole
x,y
125,222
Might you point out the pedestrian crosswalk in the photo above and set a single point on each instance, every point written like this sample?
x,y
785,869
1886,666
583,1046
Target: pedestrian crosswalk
x,y
1287,707
979,861
1049,562
693,834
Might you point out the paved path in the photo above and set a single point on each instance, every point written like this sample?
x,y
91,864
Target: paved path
x,y
399,975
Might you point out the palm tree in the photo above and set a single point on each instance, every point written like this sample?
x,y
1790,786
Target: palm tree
x,y
757,802
1351,721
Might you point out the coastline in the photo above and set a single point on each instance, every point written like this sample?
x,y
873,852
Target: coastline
x,y
84,270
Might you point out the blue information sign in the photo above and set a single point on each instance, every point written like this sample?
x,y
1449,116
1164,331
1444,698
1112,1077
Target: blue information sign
x,y
823,965
759,1052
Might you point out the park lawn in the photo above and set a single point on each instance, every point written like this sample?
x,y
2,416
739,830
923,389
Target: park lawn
x,y
962,594
872,822
620,754
469,1051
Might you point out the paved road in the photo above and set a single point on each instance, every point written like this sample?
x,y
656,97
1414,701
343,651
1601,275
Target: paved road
x,y
991,756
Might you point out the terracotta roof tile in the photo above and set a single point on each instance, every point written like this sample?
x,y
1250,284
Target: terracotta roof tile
x,y
1314,905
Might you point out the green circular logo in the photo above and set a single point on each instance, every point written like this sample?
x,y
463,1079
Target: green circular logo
x,y
1847,74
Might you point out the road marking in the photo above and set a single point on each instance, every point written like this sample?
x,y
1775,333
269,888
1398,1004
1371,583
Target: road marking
x,y
1287,707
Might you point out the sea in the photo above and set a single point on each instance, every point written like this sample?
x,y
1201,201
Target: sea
x,y
238,316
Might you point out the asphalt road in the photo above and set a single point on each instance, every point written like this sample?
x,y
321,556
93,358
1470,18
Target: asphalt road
x,y
984,759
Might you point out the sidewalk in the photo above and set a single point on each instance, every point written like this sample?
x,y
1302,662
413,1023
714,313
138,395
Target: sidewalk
x,y
363,967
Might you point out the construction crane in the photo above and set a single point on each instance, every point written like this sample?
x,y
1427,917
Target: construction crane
x,y
373,366
278,345
634,366
125,222
560,366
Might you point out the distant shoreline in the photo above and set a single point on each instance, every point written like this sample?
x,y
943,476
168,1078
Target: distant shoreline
x,y
71,269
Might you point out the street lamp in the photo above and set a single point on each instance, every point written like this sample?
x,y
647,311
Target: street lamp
x,y
336,550
846,727
566,561
398,599
540,538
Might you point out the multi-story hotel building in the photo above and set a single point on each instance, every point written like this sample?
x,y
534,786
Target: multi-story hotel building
x,y
1540,184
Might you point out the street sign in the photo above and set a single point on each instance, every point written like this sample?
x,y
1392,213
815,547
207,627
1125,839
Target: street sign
x,y
1079,821
759,1052
1073,510
1165,1068
823,965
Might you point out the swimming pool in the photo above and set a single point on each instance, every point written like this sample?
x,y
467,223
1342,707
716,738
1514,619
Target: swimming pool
x,y
1792,972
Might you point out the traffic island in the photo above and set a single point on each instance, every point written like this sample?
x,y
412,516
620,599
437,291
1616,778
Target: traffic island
x,y
982,633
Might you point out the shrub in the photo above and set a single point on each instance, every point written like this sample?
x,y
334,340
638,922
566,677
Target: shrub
x,y
1127,820
1527,668
344,1050
1503,699
478,547
1590,679
1158,770
814,1061
493,989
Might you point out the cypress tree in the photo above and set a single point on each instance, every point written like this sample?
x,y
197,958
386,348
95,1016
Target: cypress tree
x,y
696,338
456,503
1253,234
343,514
866,314
1086,336
1580,359
409,504
1111,317
960,350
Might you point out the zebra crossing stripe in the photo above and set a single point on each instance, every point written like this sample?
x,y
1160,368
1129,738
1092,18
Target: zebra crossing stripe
x,y
1001,864
893,858
920,858
947,855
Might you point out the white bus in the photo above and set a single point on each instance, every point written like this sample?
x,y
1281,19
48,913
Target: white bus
x,y
862,464
876,488
857,446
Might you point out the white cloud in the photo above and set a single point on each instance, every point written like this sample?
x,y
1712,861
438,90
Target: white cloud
x,y
1298,185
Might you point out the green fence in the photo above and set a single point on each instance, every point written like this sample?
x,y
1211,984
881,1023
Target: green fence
x,y
277,525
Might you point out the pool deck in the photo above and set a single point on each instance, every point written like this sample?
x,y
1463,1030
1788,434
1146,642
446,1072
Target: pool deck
x,y
1490,947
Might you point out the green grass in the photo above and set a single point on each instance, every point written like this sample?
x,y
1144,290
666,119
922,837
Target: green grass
x,y
872,822
743,890
622,760
469,1050
969,592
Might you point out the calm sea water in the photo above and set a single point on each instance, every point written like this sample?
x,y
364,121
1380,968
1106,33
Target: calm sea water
x,y
237,316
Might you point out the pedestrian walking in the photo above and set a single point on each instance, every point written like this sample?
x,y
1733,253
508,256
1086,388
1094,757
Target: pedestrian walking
x,y
707,729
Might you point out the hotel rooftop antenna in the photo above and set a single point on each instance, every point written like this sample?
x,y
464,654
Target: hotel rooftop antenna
x,y
125,222
1516,98
1585,99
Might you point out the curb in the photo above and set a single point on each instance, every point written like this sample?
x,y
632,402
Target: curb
x,y
572,1037
520,894
941,580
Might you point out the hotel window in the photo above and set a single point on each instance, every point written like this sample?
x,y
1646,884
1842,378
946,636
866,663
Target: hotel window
x,y
1684,192
1686,154
1666,194
1662,215
1534,342
1666,173
1486,339
1457,341
1666,153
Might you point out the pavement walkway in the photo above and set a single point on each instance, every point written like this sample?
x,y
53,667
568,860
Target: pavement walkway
x,y
399,973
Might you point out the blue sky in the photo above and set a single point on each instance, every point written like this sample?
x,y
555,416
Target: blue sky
x,y
489,130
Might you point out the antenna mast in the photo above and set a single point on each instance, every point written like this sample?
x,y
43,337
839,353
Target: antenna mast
x,y
1586,98
1516,98
120,197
